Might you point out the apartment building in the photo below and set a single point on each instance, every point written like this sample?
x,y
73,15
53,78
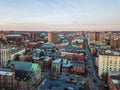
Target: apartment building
x,y
7,80
113,80
4,56
96,36
52,37
2,36
57,65
115,42
7,54
109,61
29,67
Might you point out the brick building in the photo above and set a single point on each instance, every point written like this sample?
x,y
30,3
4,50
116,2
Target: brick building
x,y
32,45
96,36
27,68
44,62
113,80
78,67
115,42
7,80
66,68
52,37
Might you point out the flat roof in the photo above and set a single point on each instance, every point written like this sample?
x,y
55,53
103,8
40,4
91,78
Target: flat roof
x,y
13,35
115,77
57,61
48,43
72,53
109,54
79,40
6,73
67,65
34,57
47,58
113,73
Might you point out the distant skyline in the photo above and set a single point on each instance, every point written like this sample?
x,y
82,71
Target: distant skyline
x,y
59,14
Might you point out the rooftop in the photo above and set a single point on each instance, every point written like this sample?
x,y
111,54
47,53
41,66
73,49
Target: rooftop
x,y
47,58
14,35
63,44
115,77
110,53
24,66
71,53
57,61
113,73
48,43
77,40
6,73
67,65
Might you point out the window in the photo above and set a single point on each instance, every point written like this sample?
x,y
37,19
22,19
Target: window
x,y
110,68
110,61
110,65
103,62
103,69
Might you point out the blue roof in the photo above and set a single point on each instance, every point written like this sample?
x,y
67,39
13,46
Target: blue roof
x,y
19,65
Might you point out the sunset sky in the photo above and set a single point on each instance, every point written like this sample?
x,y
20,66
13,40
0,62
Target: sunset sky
x,y
59,14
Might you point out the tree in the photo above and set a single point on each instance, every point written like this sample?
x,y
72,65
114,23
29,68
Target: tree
x,y
17,57
53,50
76,42
41,54
104,76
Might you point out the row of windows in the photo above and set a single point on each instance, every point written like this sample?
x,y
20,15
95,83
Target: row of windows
x,y
112,62
110,57
111,69
117,64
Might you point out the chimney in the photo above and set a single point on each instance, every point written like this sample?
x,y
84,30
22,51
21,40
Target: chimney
x,y
12,67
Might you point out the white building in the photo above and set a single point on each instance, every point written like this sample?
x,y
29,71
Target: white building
x,y
4,56
7,54
107,62
56,65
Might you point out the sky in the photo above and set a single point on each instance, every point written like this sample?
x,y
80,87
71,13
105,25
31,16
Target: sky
x,y
45,14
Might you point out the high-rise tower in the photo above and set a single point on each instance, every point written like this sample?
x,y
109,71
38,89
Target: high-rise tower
x,y
52,37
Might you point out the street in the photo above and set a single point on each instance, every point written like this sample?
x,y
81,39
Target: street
x,y
92,75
